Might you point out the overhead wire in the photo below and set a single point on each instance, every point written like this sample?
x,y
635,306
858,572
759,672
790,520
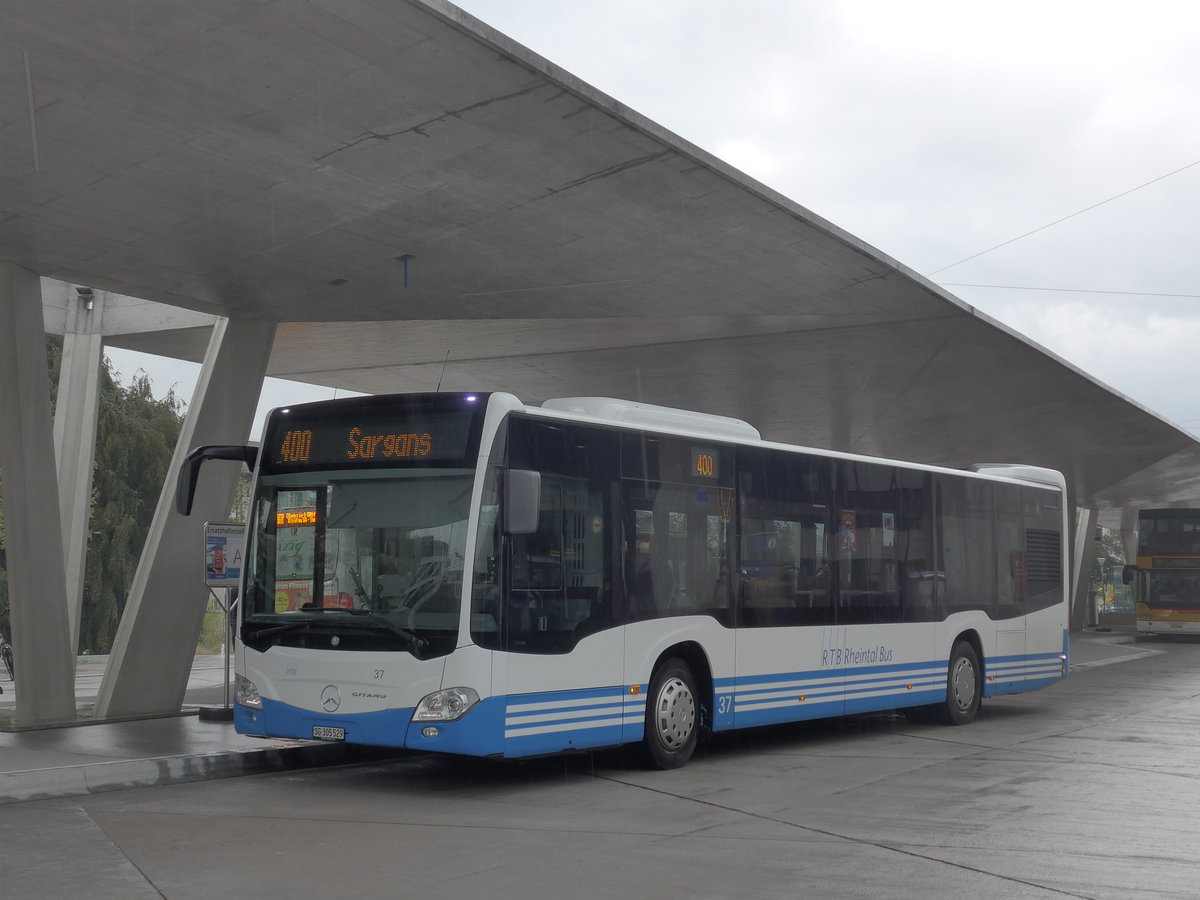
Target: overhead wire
x,y
1019,287
1063,219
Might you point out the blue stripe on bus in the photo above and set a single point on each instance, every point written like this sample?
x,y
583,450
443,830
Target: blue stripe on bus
x,y
749,718
551,722
909,698
797,696
572,720
1018,674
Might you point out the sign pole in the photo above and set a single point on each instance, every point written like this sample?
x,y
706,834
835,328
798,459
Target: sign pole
x,y
224,546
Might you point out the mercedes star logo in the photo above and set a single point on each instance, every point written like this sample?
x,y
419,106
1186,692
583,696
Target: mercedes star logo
x,y
331,698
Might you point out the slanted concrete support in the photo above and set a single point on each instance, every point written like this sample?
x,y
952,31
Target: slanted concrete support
x,y
152,655
1082,612
1129,535
34,550
75,418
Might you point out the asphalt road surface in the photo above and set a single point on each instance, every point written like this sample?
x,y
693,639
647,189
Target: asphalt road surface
x,y
1090,789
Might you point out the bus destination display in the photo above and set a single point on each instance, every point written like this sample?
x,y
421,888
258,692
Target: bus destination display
x,y
297,445
704,462
414,438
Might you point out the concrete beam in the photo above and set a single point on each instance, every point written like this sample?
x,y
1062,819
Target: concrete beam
x,y
156,640
122,314
75,416
1129,541
36,579
1129,534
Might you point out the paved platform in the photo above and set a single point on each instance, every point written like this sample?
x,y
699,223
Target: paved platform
x,y
93,757
90,757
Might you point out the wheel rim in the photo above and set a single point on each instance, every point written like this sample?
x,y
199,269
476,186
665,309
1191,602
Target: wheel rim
x,y
962,683
675,713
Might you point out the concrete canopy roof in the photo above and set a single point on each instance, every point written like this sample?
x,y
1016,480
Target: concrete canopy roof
x,y
421,201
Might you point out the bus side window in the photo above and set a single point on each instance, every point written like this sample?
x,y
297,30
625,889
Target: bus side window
x,y
677,551
784,553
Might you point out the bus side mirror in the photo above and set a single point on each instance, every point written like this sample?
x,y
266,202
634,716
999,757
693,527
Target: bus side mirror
x,y
522,501
1127,574
189,472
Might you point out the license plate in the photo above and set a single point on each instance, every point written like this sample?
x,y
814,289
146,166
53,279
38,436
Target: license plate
x,y
326,733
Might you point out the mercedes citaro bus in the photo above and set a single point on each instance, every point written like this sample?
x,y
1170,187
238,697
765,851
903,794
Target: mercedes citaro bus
x,y
467,574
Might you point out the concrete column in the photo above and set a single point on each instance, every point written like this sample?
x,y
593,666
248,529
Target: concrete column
x,y
1129,535
1082,612
37,586
152,655
75,416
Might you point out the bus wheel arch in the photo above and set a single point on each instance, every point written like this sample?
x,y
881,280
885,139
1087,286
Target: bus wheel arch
x,y
678,706
964,681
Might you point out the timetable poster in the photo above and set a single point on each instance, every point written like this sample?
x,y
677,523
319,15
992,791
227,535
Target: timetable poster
x,y
224,544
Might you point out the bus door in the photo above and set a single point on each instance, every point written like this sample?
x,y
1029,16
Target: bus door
x,y
562,650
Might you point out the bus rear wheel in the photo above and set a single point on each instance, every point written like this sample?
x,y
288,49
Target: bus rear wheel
x,y
672,715
964,686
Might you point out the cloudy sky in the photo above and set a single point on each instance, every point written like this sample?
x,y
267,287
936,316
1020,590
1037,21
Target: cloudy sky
x,y
1063,134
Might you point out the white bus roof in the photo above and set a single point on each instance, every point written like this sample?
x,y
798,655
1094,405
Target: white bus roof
x,y
681,421
629,412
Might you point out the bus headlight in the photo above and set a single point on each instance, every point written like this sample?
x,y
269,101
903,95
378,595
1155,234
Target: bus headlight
x,y
446,706
245,693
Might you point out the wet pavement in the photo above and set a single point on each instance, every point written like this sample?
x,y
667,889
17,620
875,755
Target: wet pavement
x,y
1088,789
99,756
89,756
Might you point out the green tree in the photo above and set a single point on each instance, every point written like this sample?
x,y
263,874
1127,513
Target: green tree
x,y
135,437
1108,554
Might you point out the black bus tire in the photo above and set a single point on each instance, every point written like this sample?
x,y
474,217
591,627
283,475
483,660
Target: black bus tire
x,y
964,686
672,715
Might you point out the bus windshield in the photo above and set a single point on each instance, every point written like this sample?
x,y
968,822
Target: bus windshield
x,y
375,561
1174,590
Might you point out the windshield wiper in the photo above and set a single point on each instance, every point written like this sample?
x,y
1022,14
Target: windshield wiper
x,y
410,638
418,644
275,629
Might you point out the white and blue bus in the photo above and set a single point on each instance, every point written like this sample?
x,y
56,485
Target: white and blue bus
x,y
467,574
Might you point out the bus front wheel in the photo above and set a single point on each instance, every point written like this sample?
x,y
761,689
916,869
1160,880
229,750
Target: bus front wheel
x,y
672,715
964,686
